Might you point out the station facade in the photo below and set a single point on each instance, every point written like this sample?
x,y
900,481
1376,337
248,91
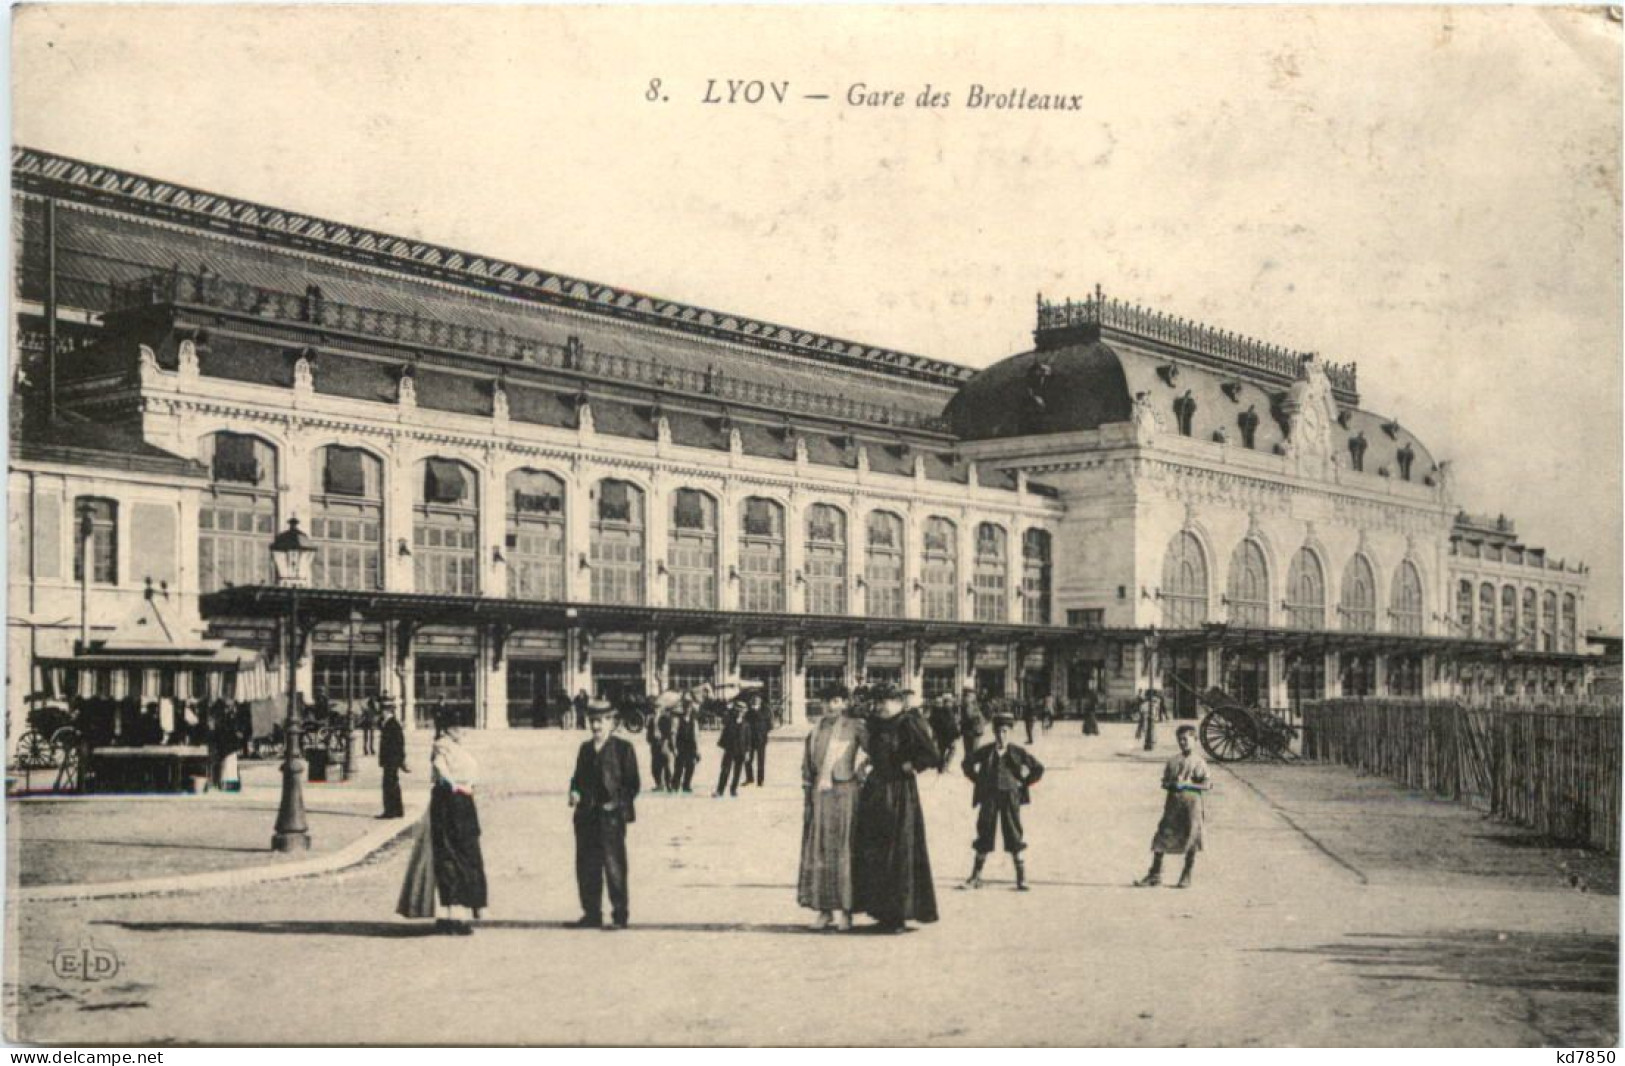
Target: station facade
x,y
523,485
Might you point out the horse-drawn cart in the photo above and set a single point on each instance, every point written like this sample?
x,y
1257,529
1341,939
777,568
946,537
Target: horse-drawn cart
x,y
1232,731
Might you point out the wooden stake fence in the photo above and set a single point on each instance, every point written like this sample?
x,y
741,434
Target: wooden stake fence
x,y
1555,772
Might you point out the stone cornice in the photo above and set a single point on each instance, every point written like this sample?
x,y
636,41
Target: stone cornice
x,y
566,446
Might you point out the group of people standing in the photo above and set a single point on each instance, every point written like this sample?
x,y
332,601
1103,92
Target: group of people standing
x,y
863,844
673,735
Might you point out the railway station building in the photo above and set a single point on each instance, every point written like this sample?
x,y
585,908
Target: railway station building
x,y
522,485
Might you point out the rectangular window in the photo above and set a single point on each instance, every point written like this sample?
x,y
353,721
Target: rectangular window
x,y
445,556
98,520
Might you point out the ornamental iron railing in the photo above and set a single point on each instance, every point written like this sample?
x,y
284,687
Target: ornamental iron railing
x,y
204,288
1138,321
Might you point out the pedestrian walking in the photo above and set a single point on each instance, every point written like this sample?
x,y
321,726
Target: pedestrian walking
x,y
369,725
832,766
685,746
392,760
658,730
944,728
891,866
603,794
760,716
1003,774
1147,725
1029,717
1091,707
579,706
971,722
447,861
736,750
1184,779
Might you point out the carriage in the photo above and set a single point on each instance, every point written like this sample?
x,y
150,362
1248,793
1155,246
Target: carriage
x,y
52,741
1232,731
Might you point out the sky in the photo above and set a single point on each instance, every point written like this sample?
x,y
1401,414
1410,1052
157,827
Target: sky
x,y
1432,193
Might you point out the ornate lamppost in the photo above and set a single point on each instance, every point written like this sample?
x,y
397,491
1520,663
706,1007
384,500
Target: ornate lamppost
x,y
291,554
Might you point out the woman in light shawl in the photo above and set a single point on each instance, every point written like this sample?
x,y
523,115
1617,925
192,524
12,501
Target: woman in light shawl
x,y
831,769
447,859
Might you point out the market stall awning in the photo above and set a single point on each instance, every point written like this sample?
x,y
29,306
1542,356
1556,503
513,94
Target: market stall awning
x,y
148,656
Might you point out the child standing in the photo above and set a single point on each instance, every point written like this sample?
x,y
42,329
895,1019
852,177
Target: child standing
x,y
1184,778
1003,773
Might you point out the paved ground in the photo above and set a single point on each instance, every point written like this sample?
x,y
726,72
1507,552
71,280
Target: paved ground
x,y
102,839
1303,929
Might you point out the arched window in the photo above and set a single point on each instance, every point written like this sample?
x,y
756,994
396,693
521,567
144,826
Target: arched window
x,y
990,578
1357,447
1249,589
1305,592
1464,608
1527,622
939,574
691,551
1359,603
761,555
1486,611
616,534
237,519
1184,583
826,560
347,518
1509,614
1035,577
1548,622
535,538
98,521
883,565
1405,599
446,529
1571,623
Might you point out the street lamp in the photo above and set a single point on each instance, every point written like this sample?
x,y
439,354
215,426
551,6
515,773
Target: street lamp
x,y
291,553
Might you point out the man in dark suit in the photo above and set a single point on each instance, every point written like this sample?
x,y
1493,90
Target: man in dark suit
x,y
736,750
760,717
685,734
658,728
392,758
603,792
1003,773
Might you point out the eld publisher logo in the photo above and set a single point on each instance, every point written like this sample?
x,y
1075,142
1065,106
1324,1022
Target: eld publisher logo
x,y
87,962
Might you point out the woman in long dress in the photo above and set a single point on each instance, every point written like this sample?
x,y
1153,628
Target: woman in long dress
x,y
831,767
891,866
446,860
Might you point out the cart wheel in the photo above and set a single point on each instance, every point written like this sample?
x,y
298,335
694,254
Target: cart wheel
x,y
1226,737
34,752
633,720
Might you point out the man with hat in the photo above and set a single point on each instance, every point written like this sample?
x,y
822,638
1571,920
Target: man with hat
x,y
685,737
759,716
971,722
603,791
1002,772
735,743
659,728
944,727
392,759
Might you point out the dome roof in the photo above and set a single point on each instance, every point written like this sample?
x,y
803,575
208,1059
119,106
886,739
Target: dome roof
x,y
1080,387
1086,385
